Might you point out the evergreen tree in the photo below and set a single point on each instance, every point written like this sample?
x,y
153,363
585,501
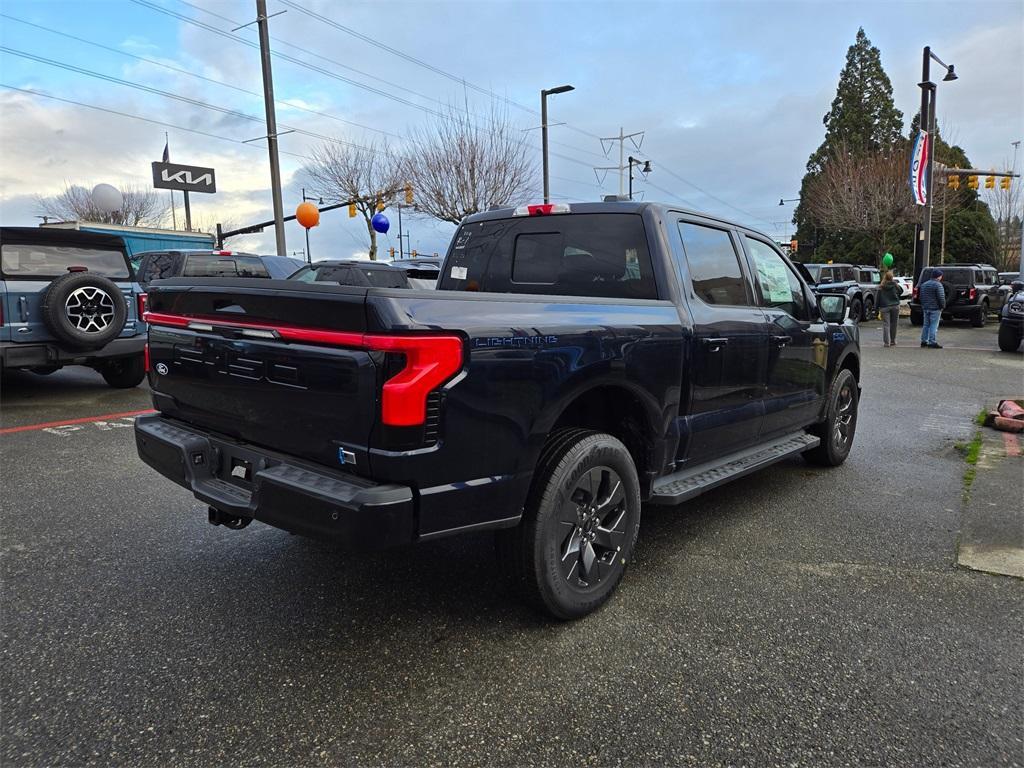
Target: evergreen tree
x,y
863,118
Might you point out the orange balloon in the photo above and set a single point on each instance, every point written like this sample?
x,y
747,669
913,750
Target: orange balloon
x,y
307,215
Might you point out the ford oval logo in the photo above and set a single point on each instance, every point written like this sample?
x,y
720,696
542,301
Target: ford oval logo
x,y
161,369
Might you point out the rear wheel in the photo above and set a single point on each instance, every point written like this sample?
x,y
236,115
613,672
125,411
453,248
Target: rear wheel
x,y
124,372
1009,337
979,318
840,424
579,526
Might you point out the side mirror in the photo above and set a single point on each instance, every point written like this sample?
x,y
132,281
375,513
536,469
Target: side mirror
x,y
833,308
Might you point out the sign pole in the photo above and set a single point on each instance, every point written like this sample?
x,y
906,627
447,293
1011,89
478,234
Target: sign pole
x,y
188,212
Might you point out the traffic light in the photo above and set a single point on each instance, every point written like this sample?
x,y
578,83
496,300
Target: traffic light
x,y
954,182
380,205
972,182
990,182
1004,183
351,210
408,194
794,244
413,253
392,251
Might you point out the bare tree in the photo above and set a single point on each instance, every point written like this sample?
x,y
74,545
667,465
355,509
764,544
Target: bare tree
x,y
141,208
369,176
458,167
861,192
1007,206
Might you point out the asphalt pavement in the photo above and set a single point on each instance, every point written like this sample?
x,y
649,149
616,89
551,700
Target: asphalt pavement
x,y
798,617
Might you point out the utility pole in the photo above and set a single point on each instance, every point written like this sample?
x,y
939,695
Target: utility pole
x,y
268,99
621,167
400,254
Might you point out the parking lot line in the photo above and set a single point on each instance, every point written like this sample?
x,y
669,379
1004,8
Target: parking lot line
x,y
65,422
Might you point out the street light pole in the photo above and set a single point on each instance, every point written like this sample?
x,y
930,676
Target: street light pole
x,y
645,170
928,90
544,131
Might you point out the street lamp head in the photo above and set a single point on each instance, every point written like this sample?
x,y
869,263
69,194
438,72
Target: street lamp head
x,y
781,201
647,167
950,75
560,89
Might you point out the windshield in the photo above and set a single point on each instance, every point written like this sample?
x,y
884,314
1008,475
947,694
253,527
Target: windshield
x,y
352,274
22,260
814,270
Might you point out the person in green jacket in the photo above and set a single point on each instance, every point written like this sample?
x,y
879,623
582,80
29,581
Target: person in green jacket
x,y
889,294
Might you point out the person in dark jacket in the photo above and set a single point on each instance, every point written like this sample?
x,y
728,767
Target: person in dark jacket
x,y
889,294
933,299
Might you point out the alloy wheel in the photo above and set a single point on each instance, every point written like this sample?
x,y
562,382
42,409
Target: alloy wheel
x,y
90,309
592,527
843,422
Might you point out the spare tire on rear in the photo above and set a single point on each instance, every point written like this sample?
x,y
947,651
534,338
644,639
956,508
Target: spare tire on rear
x,y
84,311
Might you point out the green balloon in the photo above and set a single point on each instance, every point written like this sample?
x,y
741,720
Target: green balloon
x,y
887,260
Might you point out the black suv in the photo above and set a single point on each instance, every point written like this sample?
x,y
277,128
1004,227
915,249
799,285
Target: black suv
x,y
972,291
161,265
1011,320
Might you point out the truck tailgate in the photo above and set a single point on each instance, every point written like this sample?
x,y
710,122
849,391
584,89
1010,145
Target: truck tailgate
x,y
264,364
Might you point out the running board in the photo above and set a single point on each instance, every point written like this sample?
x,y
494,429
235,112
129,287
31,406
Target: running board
x,y
693,481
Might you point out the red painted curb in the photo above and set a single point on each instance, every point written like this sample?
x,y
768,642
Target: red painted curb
x,y
85,420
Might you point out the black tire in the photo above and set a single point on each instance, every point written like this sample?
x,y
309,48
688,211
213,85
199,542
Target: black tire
x,y
124,372
1009,338
546,554
916,317
979,318
869,309
856,310
84,311
836,439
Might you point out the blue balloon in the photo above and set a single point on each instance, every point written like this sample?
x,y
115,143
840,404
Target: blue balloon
x,y
380,223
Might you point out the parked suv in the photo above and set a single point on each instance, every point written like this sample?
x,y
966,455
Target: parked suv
x,y
69,298
869,279
353,272
160,265
1011,320
972,291
841,279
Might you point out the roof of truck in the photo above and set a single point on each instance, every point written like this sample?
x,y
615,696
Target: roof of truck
x,y
55,235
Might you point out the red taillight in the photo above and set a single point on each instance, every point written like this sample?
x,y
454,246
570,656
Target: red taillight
x,y
915,292
430,361
222,253
78,269
145,356
141,304
972,294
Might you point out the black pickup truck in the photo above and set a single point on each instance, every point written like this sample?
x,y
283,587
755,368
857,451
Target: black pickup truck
x,y
572,364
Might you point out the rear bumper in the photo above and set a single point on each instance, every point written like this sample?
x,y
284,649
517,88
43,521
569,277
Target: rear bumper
x,y
278,490
28,355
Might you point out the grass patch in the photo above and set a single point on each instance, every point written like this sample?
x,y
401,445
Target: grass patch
x,y
980,418
971,451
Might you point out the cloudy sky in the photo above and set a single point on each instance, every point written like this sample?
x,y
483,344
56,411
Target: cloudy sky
x,y
730,95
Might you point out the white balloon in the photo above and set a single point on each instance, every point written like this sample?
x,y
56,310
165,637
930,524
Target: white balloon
x,y
107,198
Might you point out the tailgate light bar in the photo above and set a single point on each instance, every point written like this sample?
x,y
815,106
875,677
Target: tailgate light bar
x,y
541,209
430,361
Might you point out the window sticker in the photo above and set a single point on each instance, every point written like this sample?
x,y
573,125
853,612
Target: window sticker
x,y
459,273
774,281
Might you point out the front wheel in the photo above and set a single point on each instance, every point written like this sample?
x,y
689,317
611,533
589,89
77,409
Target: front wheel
x,y
856,310
869,309
1009,337
840,424
579,526
124,372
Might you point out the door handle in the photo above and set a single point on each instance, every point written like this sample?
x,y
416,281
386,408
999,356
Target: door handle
x,y
782,341
714,345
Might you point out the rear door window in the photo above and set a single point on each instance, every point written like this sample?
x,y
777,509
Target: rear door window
x,y
714,265
577,254
20,260
210,265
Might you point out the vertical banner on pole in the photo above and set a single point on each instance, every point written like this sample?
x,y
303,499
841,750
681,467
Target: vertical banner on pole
x,y
918,168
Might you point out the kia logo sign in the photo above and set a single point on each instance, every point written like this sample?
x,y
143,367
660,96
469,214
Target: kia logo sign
x,y
188,178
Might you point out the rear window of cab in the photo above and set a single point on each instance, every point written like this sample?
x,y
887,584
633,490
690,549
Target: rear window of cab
x,y
600,255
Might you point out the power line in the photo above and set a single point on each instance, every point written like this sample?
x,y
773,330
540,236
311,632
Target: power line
x,y
175,96
196,75
98,108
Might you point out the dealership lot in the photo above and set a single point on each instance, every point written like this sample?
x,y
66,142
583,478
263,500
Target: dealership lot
x,y
800,615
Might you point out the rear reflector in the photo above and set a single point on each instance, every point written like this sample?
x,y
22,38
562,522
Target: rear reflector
x,y
430,361
543,209
141,299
